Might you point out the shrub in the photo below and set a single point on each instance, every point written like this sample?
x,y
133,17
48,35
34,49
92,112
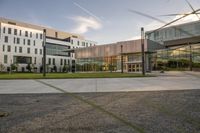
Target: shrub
x,y
28,67
2,67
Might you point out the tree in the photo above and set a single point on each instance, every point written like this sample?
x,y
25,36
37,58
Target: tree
x,y
41,69
55,68
14,67
2,67
29,67
65,68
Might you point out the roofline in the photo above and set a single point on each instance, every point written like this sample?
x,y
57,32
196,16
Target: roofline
x,y
115,43
35,26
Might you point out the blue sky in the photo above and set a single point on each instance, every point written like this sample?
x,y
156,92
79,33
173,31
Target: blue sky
x,y
103,21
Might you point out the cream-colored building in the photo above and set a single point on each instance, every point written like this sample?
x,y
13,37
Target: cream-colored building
x,y
22,44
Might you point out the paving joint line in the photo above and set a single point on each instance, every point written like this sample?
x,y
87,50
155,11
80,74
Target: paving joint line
x,y
127,123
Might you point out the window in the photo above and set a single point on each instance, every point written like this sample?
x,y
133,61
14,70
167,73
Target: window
x,y
24,41
20,32
15,31
72,42
36,51
5,59
9,48
37,35
65,62
78,43
54,63
40,51
15,49
83,43
4,29
14,40
29,42
26,33
20,49
28,50
49,61
6,39
30,34
40,36
3,48
34,42
18,40
9,30
22,59
86,44
61,61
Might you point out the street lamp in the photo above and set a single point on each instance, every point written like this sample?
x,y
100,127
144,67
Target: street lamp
x,y
190,57
122,62
44,53
142,50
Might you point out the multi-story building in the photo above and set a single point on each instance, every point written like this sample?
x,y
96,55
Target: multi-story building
x,y
21,44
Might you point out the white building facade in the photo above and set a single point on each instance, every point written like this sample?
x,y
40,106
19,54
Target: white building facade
x,y
22,46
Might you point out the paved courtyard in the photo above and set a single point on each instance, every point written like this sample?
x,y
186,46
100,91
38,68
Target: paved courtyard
x,y
135,105
166,81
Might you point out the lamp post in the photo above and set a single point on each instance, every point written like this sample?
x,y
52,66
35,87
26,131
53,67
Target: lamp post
x,y
190,57
122,62
44,53
142,50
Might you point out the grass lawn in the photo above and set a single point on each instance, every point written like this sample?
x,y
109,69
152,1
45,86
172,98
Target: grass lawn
x,y
69,75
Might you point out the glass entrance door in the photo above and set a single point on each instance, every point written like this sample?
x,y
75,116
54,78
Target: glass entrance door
x,y
134,67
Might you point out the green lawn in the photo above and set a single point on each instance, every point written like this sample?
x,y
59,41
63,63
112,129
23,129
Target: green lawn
x,y
68,75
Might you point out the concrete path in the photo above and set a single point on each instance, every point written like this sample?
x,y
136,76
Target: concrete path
x,y
166,81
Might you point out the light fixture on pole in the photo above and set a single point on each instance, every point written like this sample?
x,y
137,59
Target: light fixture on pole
x,y
122,62
142,51
44,53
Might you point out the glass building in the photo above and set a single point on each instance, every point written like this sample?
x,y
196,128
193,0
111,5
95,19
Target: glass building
x,y
174,47
110,57
182,46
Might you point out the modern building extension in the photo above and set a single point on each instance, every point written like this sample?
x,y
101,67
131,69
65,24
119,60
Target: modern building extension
x,y
112,57
172,47
21,47
182,46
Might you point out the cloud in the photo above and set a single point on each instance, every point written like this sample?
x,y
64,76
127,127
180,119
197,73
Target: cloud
x,y
187,19
84,24
87,11
155,24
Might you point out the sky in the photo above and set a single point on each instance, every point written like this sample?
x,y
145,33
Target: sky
x,y
103,21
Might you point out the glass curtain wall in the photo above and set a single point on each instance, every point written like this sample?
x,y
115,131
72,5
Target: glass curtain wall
x,y
178,57
99,64
131,63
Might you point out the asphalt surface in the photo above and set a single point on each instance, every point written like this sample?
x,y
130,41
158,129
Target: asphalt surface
x,y
150,112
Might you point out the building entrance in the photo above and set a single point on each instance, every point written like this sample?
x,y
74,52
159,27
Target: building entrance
x,y
134,67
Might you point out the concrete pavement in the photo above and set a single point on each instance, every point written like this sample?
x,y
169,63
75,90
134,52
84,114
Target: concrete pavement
x,y
166,81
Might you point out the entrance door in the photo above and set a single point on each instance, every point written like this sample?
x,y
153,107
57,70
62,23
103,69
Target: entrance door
x,y
134,67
